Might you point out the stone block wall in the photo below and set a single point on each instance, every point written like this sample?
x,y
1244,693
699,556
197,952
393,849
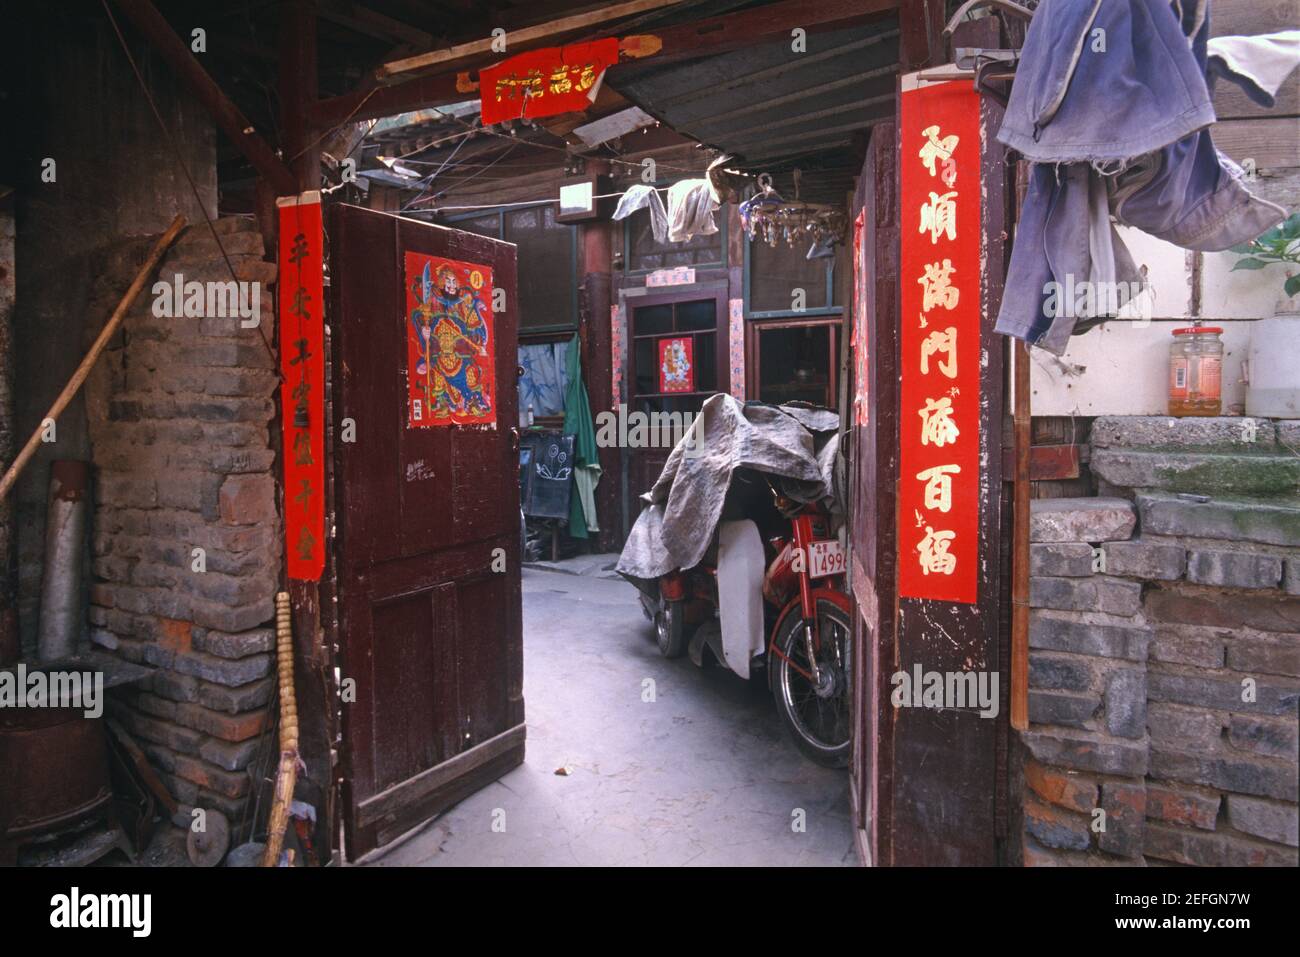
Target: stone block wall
x,y
186,536
1164,672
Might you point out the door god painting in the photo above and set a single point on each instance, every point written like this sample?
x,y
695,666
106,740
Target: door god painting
x,y
450,343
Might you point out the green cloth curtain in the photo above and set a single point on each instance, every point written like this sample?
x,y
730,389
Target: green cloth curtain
x,y
579,424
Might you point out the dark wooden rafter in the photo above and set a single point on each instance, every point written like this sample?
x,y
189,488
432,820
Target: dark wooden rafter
x,y
145,17
364,20
699,38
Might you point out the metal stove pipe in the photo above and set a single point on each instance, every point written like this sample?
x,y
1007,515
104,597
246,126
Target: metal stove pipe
x,y
62,617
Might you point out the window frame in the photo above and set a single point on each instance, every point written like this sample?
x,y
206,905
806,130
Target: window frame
x,y
817,311
721,219
753,350
552,330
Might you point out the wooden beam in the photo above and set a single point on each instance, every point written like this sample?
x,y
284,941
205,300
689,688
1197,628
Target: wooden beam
x,y
371,23
713,35
517,38
228,117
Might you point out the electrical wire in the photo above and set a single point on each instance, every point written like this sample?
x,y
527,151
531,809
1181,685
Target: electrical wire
x,y
529,202
467,178
428,181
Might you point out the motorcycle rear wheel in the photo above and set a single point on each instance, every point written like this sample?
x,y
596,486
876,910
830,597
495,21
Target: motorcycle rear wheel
x,y
819,723
670,629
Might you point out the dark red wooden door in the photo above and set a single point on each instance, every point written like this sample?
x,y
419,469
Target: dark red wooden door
x,y
429,623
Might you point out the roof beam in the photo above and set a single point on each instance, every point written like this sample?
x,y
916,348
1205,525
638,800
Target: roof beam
x,y
232,121
700,38
517,38
363,20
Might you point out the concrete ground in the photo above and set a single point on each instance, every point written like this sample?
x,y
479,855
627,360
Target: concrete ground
x,y
702,774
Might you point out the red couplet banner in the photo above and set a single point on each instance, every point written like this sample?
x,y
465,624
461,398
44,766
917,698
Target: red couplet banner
x,y
544,82
302,390
939,415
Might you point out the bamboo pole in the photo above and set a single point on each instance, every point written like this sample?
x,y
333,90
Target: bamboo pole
x,y
88,363
287,776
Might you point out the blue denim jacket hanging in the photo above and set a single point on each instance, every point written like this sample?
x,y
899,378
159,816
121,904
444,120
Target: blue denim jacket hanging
x,y
1110,102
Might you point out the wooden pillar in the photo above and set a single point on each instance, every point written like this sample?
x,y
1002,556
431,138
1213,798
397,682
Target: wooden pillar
x,y
874,487
595,298
9,641
313,683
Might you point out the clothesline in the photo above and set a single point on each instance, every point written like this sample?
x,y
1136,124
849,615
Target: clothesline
x,y
535,202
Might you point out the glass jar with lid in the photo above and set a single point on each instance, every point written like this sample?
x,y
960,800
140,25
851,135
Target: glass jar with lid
x,y
1196,371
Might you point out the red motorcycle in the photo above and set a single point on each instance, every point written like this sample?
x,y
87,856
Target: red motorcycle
x,y
781,609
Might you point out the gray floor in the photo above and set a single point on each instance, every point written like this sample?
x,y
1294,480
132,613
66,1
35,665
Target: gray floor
x,y
704,774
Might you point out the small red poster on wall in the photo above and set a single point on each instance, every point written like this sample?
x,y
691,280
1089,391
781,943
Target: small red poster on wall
x,y
676,365
544,82
450,343
302,389
939,415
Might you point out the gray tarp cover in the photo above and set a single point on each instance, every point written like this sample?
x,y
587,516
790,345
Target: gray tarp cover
x,y
796,445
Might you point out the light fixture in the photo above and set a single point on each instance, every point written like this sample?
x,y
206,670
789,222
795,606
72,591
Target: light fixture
x,y
578,198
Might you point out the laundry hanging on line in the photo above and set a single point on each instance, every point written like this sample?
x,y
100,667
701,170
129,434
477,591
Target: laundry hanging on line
x,y
1151,165
689,213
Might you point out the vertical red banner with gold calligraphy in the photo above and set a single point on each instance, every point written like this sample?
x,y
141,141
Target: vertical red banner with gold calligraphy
x,y
302,388
939,412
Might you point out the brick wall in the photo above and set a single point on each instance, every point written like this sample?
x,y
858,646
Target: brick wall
x,y
1164,642
179,412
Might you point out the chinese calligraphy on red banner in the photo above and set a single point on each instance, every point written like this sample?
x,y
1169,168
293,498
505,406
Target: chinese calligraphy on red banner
x,y
302,389
450,343
939,464
676,365
544,82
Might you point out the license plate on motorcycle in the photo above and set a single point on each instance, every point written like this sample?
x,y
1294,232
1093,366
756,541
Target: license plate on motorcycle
x,y
825,558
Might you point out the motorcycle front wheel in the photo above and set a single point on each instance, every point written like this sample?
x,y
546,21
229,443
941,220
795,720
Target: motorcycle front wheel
x,y
816,715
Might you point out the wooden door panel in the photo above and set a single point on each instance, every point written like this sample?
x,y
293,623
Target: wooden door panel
x,y
483,647
406,670
428,630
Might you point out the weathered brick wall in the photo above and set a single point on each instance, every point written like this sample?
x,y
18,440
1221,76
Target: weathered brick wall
x,y
1165,650
179,412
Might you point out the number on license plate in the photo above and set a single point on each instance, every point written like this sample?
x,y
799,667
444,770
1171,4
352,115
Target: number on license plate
x,y
825,558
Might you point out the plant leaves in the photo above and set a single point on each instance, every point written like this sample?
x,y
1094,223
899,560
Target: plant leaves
x,y
1292,285
1250,262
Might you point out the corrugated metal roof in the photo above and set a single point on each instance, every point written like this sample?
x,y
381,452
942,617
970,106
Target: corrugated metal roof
x,y
775,108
